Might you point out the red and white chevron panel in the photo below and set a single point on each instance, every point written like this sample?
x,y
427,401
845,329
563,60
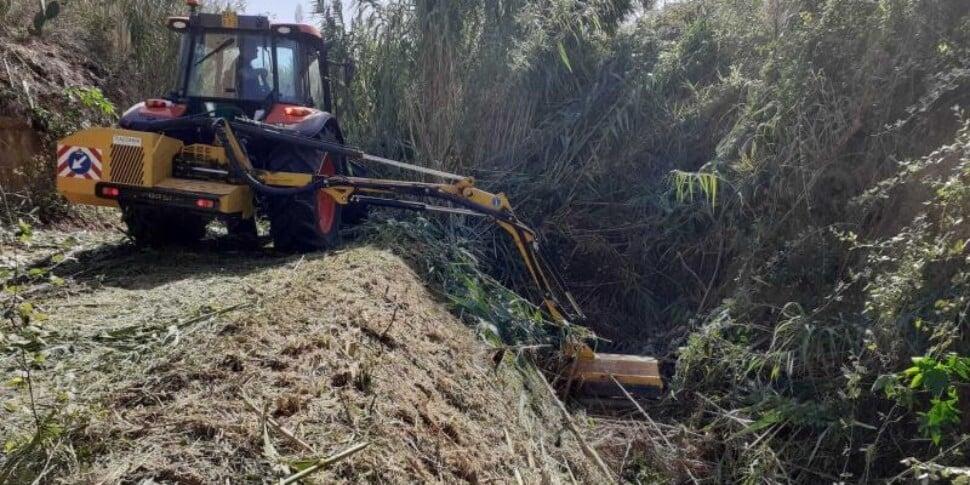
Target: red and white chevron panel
x,y
79,162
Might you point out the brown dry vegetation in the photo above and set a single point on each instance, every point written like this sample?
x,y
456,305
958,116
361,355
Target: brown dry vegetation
x,y
152,356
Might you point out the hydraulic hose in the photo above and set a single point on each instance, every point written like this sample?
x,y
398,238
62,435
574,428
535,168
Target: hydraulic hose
x,y
220,128
267,132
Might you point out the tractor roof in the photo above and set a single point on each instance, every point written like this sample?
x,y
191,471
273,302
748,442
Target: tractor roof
x,y
232,21
301,28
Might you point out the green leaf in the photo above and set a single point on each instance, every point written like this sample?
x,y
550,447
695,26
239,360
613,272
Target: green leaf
x,y
10,446
26,309
564,56
917,380
770,418
942,413
884,383
936,381
957,248
24,231
959,366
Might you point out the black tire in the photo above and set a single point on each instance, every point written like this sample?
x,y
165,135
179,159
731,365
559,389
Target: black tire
x,y
295,221
154,226
237,226
242,232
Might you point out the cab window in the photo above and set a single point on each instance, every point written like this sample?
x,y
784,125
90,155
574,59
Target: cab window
x,y
230,65
292,84
316,84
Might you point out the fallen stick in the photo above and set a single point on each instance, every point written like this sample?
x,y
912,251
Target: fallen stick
x,y
276,426
227,309
587,449
518,477
324,462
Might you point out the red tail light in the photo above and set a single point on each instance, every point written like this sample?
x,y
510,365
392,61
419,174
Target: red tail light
x,y
205,203
110,192
158,103
299,111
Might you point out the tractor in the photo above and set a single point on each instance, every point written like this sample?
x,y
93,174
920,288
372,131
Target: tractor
x,y
248,129
231,66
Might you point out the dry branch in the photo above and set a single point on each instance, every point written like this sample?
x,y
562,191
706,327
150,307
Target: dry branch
x,y
276,426
323,463
587,449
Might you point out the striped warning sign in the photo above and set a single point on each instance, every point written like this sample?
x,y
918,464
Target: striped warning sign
x,y
79,162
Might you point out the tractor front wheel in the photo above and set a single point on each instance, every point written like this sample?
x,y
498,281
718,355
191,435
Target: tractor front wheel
x,y
309,221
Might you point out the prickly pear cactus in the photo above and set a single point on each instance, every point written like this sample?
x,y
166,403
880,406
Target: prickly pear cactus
x,y
51,11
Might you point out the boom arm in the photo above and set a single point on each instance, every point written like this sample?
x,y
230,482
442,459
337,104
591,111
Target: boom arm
x,y
464,197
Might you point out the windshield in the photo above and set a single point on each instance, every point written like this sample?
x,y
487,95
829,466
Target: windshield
x,y
231,65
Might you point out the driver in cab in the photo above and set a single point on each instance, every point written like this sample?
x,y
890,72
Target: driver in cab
x,y
250,81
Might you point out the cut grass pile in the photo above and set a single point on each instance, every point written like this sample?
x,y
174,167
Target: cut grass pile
x,y
183,366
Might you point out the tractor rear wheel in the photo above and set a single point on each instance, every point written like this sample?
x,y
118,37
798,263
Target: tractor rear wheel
x,y
154,226
242,232
309,221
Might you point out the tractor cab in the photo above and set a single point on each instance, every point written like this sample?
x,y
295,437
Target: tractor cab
x,y
243,66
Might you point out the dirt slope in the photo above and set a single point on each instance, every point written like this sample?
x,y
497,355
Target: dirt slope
x,y
150,357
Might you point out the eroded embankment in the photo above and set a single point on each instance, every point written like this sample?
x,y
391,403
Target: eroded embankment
x,y
150,357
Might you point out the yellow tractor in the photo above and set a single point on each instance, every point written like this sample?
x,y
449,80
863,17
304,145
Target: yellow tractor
x,y
248,129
